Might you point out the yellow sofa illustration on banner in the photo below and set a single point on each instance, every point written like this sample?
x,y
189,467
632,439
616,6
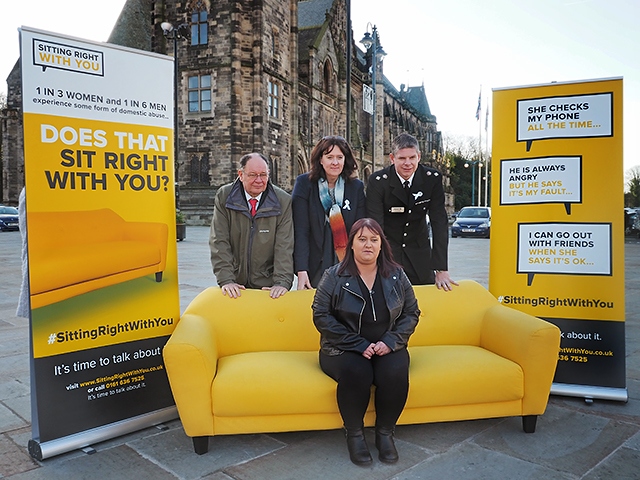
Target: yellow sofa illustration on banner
x,y
250,364
71,253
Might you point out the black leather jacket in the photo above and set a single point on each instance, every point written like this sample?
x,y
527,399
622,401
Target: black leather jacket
x,y
338,305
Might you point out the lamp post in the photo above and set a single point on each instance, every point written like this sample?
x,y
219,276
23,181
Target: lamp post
x,y
371,43
473,163
172,33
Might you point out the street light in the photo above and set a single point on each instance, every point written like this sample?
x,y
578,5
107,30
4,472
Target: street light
x,y
371,43
171,33
472,163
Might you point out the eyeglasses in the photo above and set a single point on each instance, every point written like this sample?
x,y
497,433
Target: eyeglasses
x,y
254,176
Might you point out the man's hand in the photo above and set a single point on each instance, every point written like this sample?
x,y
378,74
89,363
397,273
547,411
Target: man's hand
x,y
303,280
232,289
276,291
444,281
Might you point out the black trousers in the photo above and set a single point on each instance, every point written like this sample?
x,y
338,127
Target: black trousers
x,y
355,375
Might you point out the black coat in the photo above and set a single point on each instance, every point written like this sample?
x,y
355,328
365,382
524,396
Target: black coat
x,y
338,305
313,248
404,222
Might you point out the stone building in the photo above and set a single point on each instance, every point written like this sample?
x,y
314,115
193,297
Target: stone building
x,y
12,144
268,76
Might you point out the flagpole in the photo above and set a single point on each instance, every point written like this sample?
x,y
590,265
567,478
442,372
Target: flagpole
x,y
486,168
479,145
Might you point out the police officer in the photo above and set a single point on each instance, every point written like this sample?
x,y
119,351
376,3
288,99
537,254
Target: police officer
x,y
399,198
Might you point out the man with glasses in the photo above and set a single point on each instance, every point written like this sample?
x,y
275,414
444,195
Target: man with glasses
x,y
251,237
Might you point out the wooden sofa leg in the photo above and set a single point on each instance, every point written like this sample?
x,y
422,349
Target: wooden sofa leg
x,y
529,423
201,445
158,277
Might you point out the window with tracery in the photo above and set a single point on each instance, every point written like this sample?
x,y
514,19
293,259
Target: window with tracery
x,y
200,169
199,24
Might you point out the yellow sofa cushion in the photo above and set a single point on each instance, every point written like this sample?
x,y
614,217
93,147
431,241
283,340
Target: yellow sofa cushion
x,y
289,383
272,383
461,375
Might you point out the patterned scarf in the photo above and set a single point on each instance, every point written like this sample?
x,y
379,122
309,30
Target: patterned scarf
x,y
333,210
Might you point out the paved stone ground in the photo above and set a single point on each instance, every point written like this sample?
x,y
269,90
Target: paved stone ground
x,y
573,440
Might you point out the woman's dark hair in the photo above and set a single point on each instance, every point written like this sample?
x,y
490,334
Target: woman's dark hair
x,y
324,146
386,263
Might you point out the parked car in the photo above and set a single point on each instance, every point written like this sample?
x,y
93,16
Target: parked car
x,y
632,221
8,218
472,222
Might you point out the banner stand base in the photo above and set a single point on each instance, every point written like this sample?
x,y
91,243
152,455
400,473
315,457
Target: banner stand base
x,y
589,392
43,450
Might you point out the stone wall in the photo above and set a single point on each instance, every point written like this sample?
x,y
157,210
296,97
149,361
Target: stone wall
x,y
12,141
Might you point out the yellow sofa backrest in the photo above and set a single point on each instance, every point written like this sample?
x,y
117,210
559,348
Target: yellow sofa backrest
x,y
55,229
451,318
255,322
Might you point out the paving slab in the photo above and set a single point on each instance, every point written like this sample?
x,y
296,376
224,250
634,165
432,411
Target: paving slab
x,y
14,459
324,456
565,440
173,450
623,464
117,463
440,437
472,462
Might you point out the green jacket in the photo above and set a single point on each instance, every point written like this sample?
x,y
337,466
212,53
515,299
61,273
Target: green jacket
x,y
252,251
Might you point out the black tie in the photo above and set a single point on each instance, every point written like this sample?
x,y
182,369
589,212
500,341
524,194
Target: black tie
x,y
407,189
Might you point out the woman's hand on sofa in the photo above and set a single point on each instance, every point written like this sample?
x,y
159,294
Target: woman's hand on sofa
x,y
303,280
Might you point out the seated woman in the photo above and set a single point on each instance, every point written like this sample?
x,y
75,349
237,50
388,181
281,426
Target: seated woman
x,y
325,203
365,310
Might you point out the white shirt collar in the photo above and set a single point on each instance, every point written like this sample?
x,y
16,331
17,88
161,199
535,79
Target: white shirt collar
x,y
248,197
402,180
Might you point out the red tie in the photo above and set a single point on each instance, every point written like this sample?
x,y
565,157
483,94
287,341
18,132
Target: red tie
x,y
254,204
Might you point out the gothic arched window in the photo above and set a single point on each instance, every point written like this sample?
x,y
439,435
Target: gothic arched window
x,y
199,24
327,76
200,169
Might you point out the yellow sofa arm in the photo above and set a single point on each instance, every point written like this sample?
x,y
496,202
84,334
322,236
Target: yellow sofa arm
x,y
191,361
528,341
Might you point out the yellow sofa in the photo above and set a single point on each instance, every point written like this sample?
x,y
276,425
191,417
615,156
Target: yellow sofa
x,y
71,253
250,365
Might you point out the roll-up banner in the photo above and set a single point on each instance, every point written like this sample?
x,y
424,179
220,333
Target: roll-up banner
x,y
557,239
103,276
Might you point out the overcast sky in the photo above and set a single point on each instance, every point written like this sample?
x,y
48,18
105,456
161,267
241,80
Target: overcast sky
x,y
453,47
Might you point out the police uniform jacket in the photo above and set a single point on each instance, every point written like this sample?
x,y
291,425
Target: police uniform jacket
x,y
404,220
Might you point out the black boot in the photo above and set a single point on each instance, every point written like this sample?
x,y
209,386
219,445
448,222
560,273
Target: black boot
x,y
357,445
385,445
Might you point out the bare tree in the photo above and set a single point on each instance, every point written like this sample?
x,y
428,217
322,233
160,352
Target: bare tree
x,y
461,145
632,186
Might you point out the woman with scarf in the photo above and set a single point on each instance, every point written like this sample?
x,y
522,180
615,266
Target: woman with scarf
x,y
326,202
